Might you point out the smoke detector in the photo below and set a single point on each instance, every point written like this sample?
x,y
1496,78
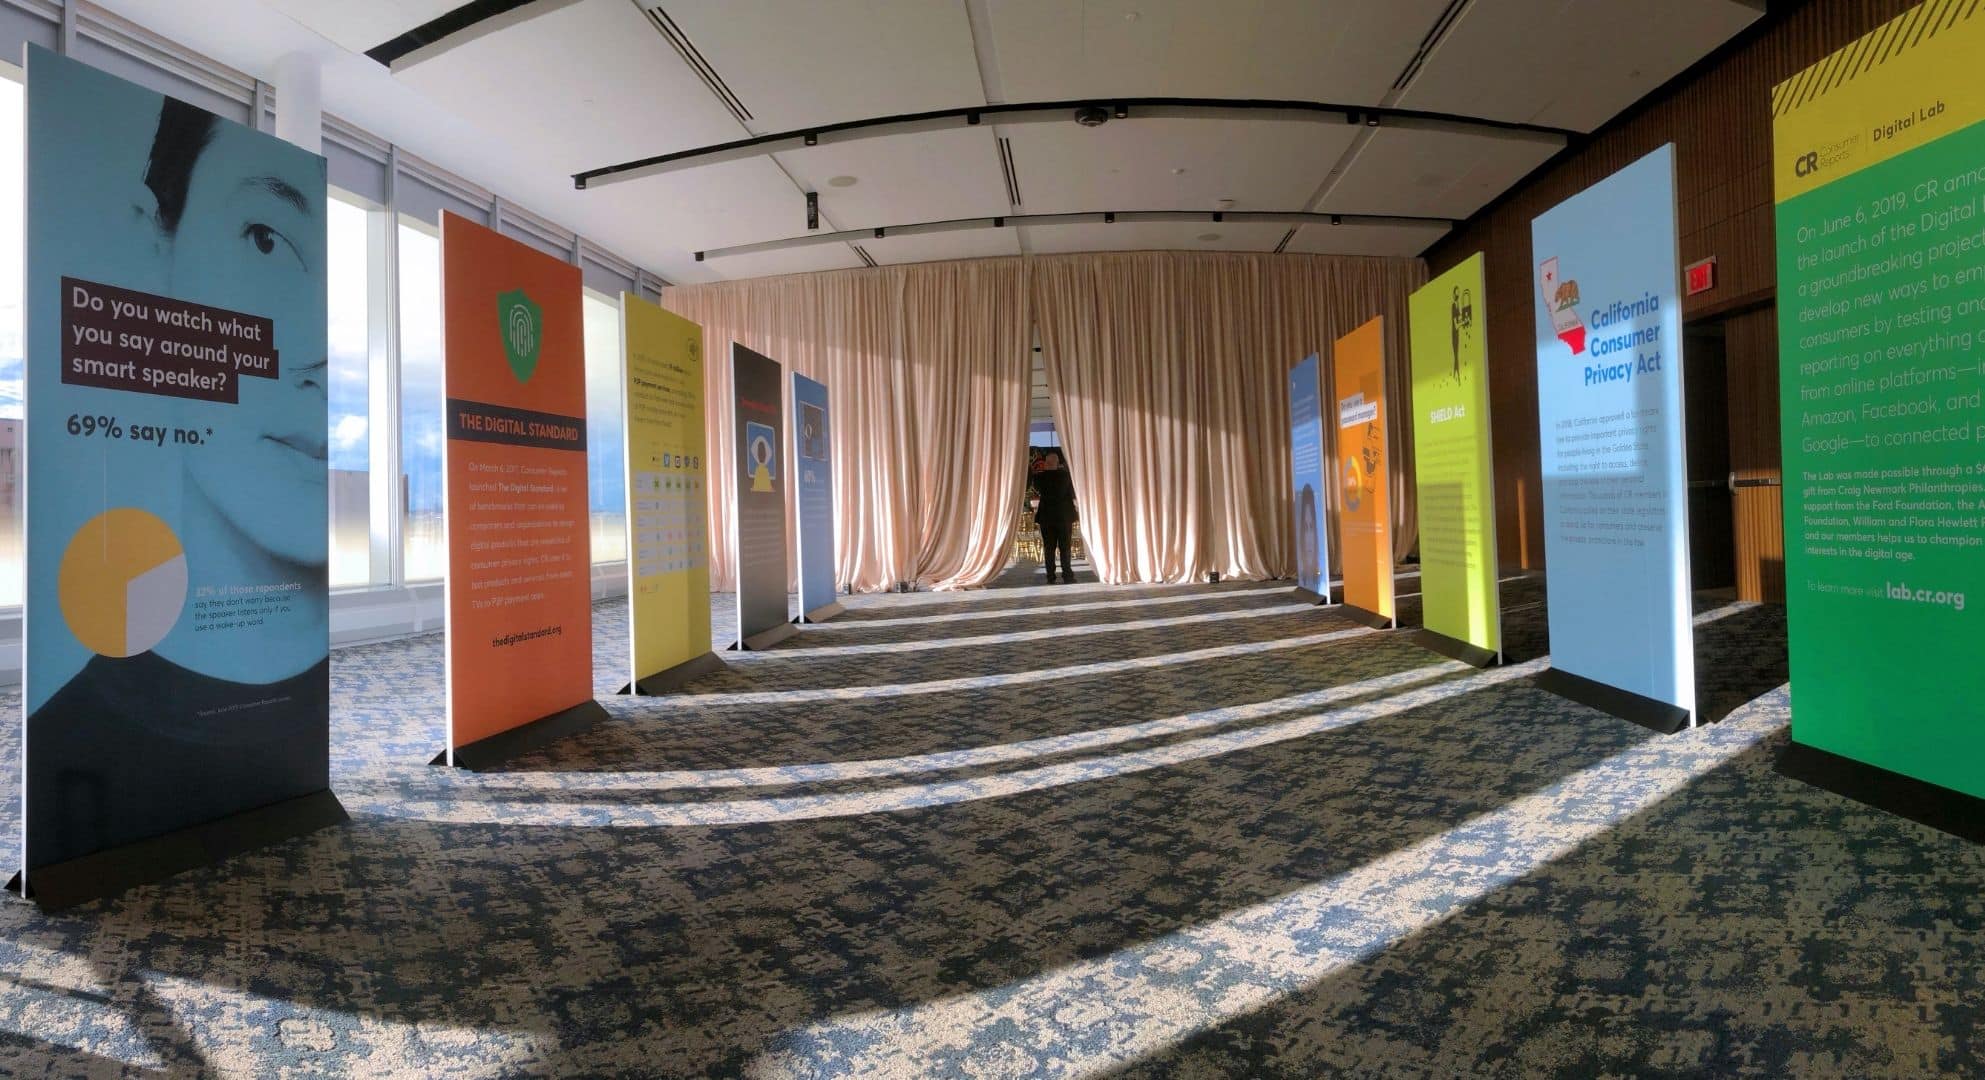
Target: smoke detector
x,y
1092,116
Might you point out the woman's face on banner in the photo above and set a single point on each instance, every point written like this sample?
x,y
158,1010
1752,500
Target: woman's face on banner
x,y
251,233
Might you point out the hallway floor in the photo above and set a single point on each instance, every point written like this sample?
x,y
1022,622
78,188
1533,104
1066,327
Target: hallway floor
x,y
1081,831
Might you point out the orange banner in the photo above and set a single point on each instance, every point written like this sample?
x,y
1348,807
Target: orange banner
x,y
520,627
1364,471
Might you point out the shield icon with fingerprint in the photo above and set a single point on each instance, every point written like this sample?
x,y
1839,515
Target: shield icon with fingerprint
x,y
522,330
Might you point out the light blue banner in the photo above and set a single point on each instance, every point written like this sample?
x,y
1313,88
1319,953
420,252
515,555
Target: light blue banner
x,y
1306,467
177,629
1609,413
815,491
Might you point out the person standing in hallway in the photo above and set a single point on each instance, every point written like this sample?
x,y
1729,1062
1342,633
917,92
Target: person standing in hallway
x,y
1055,514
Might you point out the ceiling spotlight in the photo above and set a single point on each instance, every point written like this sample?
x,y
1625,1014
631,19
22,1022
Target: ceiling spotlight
x,y
811,139
1110,217
1092,116
1371,119
841,181
1337,219
1209,237
1122,111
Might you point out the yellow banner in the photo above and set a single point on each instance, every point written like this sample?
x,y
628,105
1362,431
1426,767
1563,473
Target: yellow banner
x,y
1908,83
668,533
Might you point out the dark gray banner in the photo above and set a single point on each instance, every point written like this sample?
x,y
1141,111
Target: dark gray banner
x,y
759,529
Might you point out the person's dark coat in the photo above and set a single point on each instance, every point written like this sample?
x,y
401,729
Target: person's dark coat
x,y
1057,494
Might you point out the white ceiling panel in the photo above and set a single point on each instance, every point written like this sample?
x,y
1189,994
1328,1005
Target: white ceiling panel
x,y
739,202
930,247
359,25
1567,63
1136,164
1432,173
804,260
794,64
1403,241
905,179
573,88
1340,51
1152,236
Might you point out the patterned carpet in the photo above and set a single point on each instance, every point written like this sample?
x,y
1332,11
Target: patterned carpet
x,y
1080,831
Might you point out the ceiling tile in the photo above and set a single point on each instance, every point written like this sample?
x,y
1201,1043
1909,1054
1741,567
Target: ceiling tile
x,y
795,64
1402,241
929,247
1344,51
359,25
1432,173
802,260
903,180
1567,63
1152,236
738,202
572,89
1130,164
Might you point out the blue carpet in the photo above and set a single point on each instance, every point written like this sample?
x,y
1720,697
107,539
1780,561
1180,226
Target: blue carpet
x,y
1080,831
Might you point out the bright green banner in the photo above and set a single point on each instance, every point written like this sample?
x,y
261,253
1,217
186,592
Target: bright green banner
x,y
1881,303
1453,467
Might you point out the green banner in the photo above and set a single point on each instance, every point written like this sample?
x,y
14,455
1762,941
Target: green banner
x,y
1881,268
1452,455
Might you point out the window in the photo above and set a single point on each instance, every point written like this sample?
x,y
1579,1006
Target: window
x,y
348,262
605,447
13,368
420,403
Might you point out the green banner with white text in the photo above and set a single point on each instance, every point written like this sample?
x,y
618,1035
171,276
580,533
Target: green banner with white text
x,y
1879,167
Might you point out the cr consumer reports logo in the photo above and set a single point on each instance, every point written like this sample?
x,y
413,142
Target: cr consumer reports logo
x,y
1825,156
521,324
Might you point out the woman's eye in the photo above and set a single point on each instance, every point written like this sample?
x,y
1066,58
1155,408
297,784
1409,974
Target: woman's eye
x,y
263,237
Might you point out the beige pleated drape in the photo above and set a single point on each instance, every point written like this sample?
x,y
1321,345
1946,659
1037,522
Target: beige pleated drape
x,y
1169,377
927,369
1169,374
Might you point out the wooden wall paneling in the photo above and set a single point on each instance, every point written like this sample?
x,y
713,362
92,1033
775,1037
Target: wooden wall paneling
x,y
1719,118
1751,359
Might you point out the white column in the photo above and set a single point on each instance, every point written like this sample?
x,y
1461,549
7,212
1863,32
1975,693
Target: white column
x,y
300,101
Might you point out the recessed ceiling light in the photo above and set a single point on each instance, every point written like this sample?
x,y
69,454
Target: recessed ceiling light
x,y
1130,16
1209,237
841,181
1178,172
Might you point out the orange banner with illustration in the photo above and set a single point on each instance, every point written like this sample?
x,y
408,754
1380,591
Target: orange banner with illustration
x,y
1364,471
520,630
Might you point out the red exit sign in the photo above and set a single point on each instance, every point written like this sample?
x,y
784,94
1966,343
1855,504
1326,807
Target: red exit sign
x,y
1700,277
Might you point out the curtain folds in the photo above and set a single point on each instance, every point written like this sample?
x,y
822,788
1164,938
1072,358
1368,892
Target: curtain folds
x,y
1169,373
927,368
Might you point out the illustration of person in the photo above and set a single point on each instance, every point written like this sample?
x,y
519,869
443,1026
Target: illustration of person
x,y
761,469
1461,316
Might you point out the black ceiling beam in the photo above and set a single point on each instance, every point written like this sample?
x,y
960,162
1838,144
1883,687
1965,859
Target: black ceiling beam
x,y
458,27
869,232
1060,112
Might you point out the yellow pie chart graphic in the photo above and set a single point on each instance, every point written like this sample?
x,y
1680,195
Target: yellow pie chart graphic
x,y
123,582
